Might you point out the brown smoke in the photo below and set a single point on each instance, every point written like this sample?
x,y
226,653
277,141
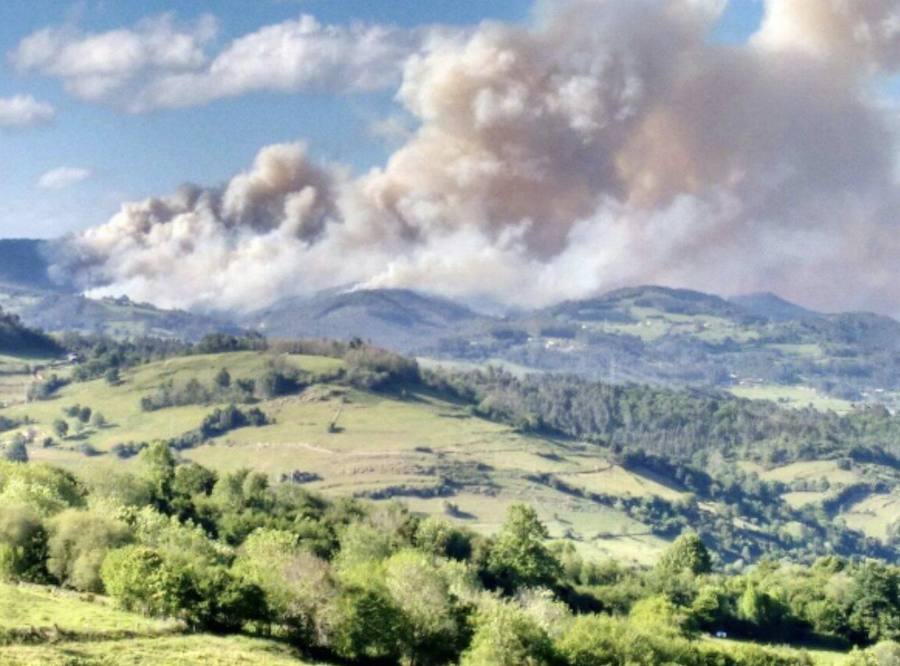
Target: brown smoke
x,y
611,143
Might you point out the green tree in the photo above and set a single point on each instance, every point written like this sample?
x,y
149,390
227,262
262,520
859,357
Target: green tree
x,y
16,450
686,555
222,379
439,537
140,580
297,584
506,636
159,466
432,618
520,558
79,540
23,544
365,624
112,376
61,428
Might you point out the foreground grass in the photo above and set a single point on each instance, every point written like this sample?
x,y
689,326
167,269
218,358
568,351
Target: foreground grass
x,y
161,651
820,657
48,626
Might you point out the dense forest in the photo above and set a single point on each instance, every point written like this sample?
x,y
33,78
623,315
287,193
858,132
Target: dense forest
x,y
375,584
686,425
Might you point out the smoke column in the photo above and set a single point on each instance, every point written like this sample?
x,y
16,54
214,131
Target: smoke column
x,y
612,142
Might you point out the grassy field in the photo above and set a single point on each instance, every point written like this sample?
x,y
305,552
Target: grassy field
x,y
812,470
793,396
820,657
874,515
42,626
407,445
414,440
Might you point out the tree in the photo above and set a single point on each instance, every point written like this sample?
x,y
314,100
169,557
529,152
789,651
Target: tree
x,y
61,428
23,544
112,376
140,580
432,620
439,537
365,624
506,636
98,420
159,464
222,379
519,558
297,584
16,451
84,414
79,540
686,554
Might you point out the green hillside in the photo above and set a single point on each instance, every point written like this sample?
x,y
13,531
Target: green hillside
x,y
48,626
759,345
613,489
385,444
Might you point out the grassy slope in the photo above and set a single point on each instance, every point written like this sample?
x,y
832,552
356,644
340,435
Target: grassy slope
x,y
414,440
51,627
383,441
48,626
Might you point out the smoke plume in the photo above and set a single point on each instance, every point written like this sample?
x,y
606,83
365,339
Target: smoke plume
x,y
613,142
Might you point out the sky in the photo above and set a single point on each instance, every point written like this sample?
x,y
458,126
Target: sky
x,y
111,155
229,154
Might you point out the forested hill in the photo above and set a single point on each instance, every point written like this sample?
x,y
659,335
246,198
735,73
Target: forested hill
x,y
687,425
758,345
17,339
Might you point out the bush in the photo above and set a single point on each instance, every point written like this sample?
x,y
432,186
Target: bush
x,y
297,583
79,540
140,580
506,636
23,544
16,451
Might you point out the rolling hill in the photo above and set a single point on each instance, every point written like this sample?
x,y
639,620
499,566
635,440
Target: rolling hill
x,y
612,490
52,627
397,319
758,345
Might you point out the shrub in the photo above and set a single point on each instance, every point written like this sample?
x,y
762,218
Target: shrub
x,y
79,540
23,544
506,636
140,580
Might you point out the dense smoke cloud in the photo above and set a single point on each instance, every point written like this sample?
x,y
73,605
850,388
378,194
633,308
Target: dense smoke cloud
x,y
611,143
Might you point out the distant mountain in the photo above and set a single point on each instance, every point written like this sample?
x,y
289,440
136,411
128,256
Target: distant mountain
x,y
645,334
617,305
399,319
773,307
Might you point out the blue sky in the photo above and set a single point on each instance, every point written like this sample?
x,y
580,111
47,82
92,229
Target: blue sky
x,y
116,155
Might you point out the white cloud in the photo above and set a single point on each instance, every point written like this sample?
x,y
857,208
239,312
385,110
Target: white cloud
x,y
22,111
158,64
63,177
